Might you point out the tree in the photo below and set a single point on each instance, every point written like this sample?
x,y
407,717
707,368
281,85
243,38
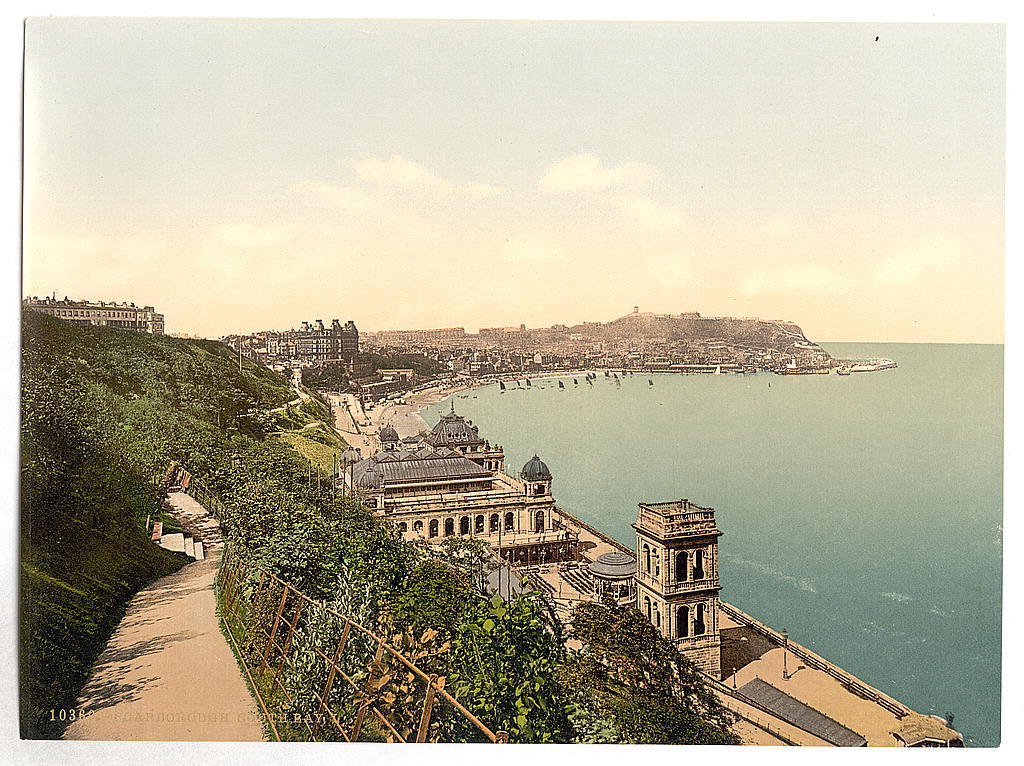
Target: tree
x,y
628,673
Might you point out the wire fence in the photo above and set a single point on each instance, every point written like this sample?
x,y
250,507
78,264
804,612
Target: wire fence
x,y
318,675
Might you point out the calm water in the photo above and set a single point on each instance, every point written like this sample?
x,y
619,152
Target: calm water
x,y
862,513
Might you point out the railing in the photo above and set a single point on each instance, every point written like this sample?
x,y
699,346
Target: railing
x,y
318,675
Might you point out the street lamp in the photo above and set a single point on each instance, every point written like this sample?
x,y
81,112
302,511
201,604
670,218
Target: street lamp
x,y
785,654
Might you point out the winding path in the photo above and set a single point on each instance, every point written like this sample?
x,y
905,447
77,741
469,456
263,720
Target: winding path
x,y
167,673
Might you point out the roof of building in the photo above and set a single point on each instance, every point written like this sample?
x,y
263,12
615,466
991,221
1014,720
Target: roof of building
x,y
414,465
917,728
453,429
389,434
535,470
613,565
800,714
350,455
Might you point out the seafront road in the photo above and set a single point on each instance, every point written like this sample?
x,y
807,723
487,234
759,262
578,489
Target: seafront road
x,y
167,673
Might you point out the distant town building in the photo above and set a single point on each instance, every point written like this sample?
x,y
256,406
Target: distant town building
x,y
420,336
126,316
316,344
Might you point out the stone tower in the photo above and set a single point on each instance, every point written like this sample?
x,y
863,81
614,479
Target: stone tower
x,y
677,577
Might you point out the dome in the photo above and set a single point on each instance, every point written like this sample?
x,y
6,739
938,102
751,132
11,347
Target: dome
x,y
453,429
536,470
389,434
350,456
369,477
613,566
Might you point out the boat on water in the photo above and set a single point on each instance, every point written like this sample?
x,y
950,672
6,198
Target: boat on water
x,y
575,382
529,383
500,383
561,385
650,382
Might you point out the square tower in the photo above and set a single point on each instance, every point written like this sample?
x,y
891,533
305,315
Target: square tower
x,y
677,577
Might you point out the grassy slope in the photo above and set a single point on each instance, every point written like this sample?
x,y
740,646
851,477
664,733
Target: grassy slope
x,y
103,410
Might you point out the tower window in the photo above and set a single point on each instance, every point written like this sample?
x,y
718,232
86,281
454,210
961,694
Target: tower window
x,y
540,521
682,566
698,620
698,565
478,526
683,621
494,523
433,527
510,521
449,527
464,525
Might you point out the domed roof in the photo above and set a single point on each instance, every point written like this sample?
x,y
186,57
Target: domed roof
x,y
389,434
350,455
613,565
369,477
453,429
535,470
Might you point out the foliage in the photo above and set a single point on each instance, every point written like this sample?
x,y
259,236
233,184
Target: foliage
x,y
629,683
503,669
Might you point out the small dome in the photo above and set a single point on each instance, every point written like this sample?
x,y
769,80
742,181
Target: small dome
x,y
614,566
350,456
369,479
389,434
536,470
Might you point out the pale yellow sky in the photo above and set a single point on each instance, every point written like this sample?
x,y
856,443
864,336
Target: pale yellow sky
x,y
251,175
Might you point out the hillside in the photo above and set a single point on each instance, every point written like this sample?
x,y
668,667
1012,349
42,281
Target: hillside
x,y
103,412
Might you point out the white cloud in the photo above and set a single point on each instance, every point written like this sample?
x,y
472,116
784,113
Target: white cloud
x,y
398,172
921,260
794,278
586,174
648,212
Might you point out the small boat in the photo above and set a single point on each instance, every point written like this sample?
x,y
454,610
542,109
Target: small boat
x,y
606,373
650,382
502,385
529,383
575,382
561,385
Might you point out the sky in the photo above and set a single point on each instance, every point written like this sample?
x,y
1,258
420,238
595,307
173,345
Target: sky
x,y
249,175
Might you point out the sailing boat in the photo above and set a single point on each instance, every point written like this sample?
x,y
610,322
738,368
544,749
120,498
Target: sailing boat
x,y
575,382
529,383
502,384
650,382
561,385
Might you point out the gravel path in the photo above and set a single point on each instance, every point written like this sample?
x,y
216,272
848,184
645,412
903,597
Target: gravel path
x,y
167,673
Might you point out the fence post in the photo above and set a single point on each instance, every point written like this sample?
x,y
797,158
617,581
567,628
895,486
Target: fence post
x,y
428,709
277,621
328,687
365,702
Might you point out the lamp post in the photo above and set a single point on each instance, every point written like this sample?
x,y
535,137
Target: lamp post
x,y
785,655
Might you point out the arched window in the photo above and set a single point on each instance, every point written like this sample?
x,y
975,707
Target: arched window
x,y
683,621
698,620
417,526
647,606
403,527
657,616
647,559
495,522
464,525
539,489
478,526
510,521
449,527
540,521
698,565
433,527
682,566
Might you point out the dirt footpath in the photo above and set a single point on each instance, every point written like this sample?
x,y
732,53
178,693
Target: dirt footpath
x,y
168,673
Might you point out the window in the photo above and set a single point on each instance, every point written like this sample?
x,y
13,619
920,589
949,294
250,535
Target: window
x,y
449,527
647,558
698,620
478,526
698,565
539,527
433,527
464,525
495,523
683,621
403,527
682,566
647,607
417,526
510,521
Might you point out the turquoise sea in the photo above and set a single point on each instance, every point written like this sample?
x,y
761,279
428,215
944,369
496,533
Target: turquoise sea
x,y
862,513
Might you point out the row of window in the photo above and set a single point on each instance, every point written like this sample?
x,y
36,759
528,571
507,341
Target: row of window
x,y
652,564
685,626
480,524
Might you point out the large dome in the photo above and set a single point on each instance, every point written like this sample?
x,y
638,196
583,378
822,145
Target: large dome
x,y
389,434
536,470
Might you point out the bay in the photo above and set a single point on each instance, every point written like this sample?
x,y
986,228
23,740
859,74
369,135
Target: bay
x,y
862,513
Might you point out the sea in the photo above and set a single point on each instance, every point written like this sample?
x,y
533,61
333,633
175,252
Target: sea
x,y
861,513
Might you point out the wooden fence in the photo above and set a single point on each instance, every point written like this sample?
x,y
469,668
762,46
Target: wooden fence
x,y
318,675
